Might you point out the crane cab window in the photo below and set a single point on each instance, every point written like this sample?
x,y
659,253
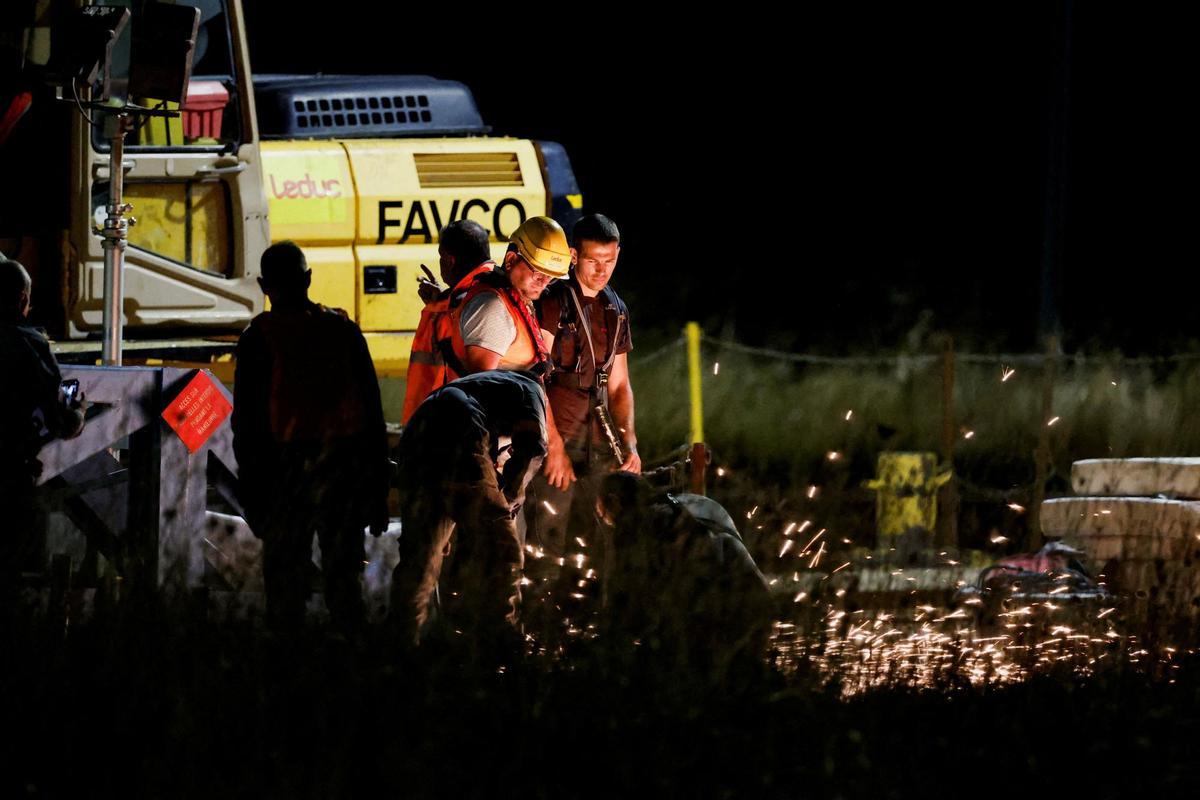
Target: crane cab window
x,y
210,115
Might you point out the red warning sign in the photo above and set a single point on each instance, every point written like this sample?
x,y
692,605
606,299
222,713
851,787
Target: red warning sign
x,y
198,411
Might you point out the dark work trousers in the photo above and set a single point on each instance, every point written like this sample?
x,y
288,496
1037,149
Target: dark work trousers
x,y
560,568
19,539
317,492
487,557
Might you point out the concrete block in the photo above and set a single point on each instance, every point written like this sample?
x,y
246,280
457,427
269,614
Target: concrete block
x,y
1173,477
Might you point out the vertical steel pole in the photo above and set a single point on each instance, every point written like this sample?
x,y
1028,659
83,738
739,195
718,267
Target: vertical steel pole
x,y
1042,455
948,494
116,235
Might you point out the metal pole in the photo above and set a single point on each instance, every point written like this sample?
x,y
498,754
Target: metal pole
x,y
699,452
948,516
116,235
1042,454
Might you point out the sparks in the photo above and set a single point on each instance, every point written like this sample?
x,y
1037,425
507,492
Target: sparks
x,y
549,507
812,492
1017,507
716,367
849,414
842,567
813,540
969,434
720,472
1052,421
833,455
1006,372
787,545
750,514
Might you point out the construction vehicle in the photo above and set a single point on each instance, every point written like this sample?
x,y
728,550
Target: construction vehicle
x,y
361,171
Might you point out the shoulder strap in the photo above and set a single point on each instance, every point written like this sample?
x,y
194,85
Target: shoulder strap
x,y
615,336
584,323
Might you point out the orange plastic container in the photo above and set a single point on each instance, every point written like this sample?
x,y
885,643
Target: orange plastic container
x,y
203,109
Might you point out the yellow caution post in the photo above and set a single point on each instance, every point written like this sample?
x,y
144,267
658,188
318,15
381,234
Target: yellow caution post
x,y
906,494
699,454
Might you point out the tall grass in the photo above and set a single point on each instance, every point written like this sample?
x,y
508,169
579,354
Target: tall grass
x,y
781,420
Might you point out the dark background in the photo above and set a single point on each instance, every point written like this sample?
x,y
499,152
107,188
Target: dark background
x,y
842,180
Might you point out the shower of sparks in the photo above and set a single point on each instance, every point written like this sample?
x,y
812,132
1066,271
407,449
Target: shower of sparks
x,y
1017,507
716,367
787,545
812,492
750,514
939,648
968,434
849,414
1006,373
788,530
833,455
720,472
998,539
549,507
1052,421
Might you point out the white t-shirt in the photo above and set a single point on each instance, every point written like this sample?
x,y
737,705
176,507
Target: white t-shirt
x,y
486,323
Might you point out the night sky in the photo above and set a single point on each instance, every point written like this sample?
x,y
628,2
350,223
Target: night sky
x,y
832,180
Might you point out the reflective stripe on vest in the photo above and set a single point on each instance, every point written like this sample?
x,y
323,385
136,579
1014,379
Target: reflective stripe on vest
x,y
426,370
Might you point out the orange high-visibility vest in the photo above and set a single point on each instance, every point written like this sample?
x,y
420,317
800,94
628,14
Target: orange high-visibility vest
x,y
427,367
525,352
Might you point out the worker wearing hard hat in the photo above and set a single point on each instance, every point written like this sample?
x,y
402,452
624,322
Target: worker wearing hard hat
x,y
495,326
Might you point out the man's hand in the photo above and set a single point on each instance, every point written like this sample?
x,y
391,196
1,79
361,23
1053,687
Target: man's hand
x,y
73,417
558,469
428,288
633,462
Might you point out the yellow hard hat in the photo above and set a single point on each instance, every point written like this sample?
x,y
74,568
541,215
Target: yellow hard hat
x,y
543,244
